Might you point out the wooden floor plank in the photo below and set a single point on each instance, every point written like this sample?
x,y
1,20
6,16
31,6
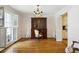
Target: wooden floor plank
x,y
38,46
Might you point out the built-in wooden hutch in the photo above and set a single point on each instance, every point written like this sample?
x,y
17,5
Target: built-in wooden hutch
x,y
39,23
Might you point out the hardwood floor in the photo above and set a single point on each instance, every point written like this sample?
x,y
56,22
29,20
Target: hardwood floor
x,y
37,46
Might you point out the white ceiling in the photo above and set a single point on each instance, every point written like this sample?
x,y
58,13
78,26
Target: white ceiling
x,y
47,9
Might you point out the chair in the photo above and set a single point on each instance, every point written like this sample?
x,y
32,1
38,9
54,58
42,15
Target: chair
x,y
75,46
68,49
37,34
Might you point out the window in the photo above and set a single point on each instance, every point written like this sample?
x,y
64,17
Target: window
x,y
11,20
7,20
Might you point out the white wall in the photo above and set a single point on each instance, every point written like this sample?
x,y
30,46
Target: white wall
x,y
20,26
58,29
27,19
50,26
73,24
26,25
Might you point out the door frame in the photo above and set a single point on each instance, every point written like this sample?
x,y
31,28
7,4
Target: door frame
x,y
67,24
59,23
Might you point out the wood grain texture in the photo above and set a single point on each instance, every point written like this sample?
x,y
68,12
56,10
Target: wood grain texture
x,y
37,46
40,24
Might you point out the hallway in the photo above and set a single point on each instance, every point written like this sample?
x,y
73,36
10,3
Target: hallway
x,y
37,46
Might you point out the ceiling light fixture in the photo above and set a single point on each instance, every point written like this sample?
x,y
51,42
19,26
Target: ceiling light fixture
x,y
38,12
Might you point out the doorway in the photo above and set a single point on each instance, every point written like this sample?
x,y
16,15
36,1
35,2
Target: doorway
x,y
64,26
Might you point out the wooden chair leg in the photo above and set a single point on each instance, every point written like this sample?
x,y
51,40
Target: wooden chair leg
x,y
73,50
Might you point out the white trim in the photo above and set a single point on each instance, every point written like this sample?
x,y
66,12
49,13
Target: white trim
x,y
58,23
62,11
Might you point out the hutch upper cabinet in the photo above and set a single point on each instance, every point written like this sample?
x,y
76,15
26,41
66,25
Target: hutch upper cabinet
x,y
39,23
8,27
